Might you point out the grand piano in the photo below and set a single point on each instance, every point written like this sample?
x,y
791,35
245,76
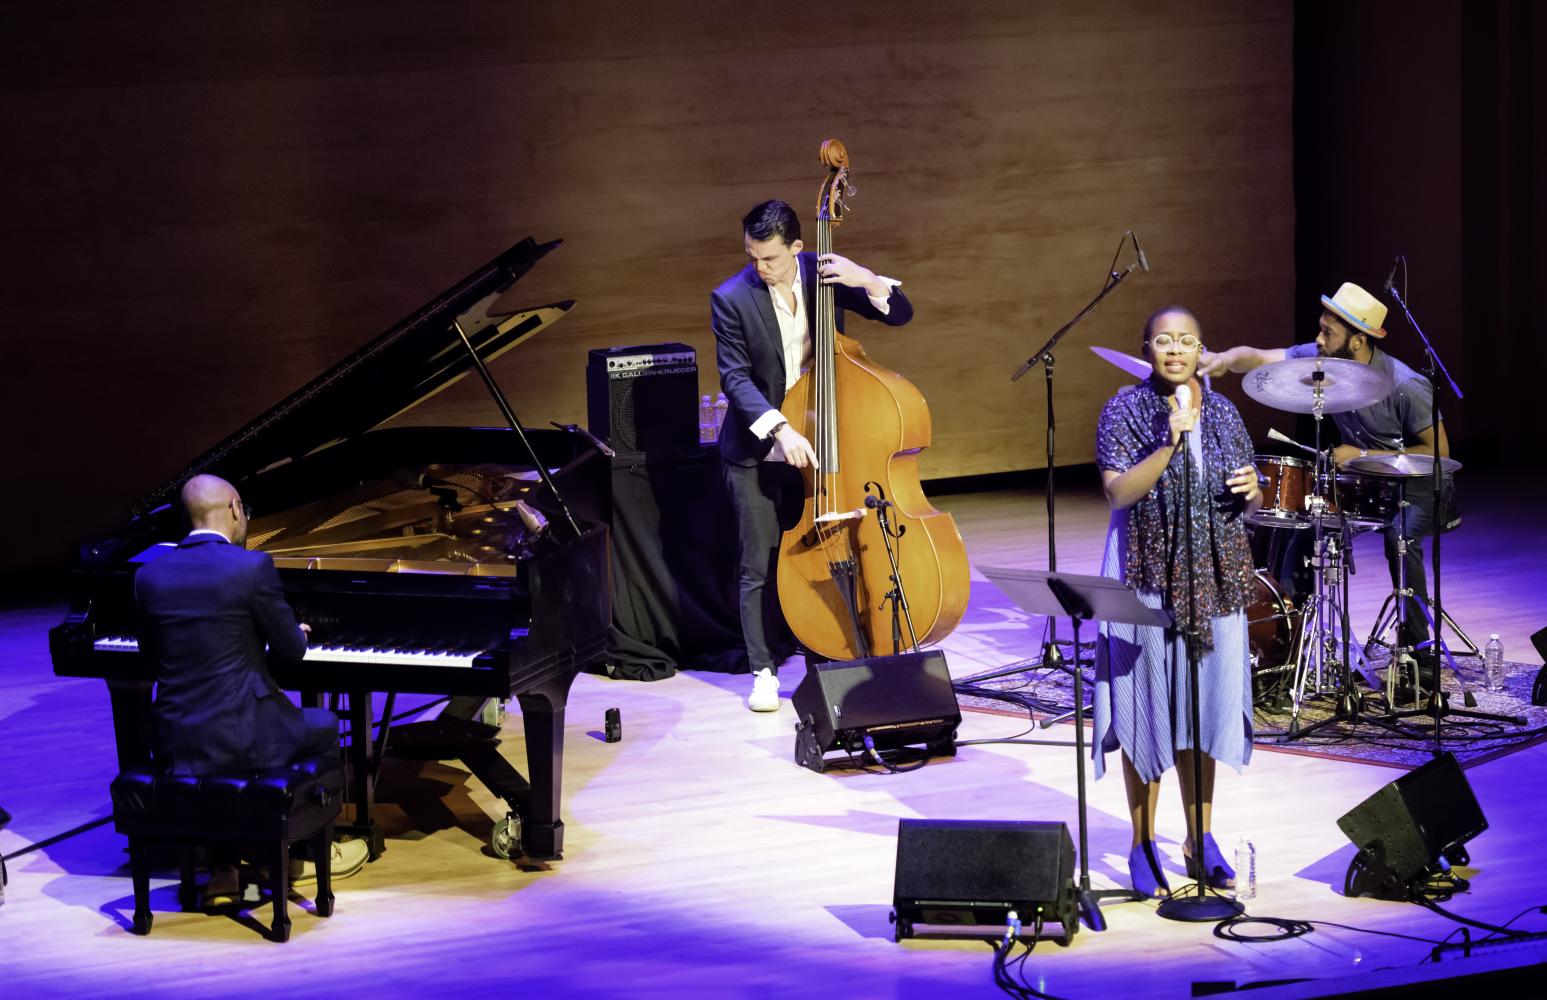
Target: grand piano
x,y
457,561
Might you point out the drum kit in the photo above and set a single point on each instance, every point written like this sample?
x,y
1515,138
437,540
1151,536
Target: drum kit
x,y
1312,644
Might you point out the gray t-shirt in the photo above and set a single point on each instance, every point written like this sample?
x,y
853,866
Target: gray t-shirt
x,y
1401,416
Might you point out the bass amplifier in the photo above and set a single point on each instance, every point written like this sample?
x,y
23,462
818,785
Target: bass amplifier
x,y
643,398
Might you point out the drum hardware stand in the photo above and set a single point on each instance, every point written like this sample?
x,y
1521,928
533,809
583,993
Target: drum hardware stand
x,y
897,597
1316,632
1349,706
1051,656
1402,655
1391,609
1388,618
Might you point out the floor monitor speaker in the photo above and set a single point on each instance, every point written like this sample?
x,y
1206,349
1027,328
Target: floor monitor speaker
x,y
1405,830
895,701
966,875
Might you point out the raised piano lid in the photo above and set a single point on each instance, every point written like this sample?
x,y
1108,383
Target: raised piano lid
x,y
408,364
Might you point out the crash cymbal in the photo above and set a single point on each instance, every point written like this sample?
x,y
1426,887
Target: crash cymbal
x,y
1291,384
1133,365
1137,367
1401,465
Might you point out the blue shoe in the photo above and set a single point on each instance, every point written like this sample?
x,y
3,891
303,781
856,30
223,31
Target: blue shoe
x,y
1144,872
1219,874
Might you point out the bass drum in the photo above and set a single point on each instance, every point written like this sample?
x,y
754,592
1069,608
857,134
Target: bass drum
x,y
1272,624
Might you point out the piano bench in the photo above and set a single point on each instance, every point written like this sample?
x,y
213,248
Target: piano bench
x,y
264,812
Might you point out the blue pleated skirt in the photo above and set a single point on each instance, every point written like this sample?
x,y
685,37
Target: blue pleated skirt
x,y
1142,700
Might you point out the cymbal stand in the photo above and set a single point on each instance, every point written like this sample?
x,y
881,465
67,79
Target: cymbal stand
x,y
1311,650
1439,703
1325,624
1389,619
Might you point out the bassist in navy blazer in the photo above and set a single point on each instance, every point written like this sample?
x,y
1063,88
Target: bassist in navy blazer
x,y
762,455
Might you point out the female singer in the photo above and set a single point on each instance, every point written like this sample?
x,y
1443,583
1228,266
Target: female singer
x,y
1142,699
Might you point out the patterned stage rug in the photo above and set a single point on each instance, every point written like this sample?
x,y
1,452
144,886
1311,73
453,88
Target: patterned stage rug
x,y
1049,691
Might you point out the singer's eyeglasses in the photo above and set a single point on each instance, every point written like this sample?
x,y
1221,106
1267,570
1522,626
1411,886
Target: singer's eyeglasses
x,y
1163,342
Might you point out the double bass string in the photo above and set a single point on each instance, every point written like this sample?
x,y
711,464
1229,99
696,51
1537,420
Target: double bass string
x,y
825,490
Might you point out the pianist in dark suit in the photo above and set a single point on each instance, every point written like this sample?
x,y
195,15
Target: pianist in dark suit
x,y
763,320
207,608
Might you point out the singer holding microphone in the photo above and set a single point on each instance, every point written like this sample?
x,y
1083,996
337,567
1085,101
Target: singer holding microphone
x,y
1142,696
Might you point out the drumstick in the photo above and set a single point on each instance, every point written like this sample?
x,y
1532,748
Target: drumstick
x,y
1274,435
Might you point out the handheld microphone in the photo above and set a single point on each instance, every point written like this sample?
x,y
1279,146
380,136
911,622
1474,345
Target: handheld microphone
x,y
1184,399
1144,261
1391,277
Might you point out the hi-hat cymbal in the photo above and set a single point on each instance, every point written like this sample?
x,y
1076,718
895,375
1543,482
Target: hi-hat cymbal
x,y
1292,384
1403,464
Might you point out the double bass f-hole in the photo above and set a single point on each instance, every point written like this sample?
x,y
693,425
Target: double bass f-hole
x,y
877,502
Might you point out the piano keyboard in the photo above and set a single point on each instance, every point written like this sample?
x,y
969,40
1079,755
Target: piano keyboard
x,y
334,654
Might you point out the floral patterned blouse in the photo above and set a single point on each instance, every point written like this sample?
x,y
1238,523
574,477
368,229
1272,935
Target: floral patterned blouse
x,y
1134,423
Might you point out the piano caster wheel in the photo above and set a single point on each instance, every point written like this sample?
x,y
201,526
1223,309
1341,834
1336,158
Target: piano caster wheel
x,y
506,838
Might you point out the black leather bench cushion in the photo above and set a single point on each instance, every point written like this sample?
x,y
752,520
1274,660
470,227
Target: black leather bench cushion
x,y
287,802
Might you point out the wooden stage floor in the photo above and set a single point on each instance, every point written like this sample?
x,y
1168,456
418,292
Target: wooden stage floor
x,y
701,861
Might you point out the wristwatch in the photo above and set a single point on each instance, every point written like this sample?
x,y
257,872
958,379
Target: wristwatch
x,y
773,431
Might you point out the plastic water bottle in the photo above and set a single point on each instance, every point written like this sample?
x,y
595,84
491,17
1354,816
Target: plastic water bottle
x,y
706,429
1245,870
721,405
1493,663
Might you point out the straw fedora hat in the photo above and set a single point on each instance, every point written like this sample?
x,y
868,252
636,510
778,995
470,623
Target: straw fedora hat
x,y
1358,308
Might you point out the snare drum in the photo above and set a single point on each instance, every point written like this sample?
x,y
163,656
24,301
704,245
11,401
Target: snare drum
x,y
1271,620
1368,502
1290,482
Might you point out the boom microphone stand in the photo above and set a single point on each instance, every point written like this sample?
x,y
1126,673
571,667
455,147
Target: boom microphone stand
x,y
1439,705
1044,356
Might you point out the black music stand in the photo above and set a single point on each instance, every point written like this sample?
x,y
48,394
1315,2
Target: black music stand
x,y
1081,599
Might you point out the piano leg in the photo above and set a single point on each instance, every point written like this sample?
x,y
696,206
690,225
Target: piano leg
x,y
542,714
130,701
363,775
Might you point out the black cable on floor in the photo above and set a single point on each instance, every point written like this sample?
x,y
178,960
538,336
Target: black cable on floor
x,y
56,838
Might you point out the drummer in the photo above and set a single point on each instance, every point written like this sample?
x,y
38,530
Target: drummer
x,y
1350,328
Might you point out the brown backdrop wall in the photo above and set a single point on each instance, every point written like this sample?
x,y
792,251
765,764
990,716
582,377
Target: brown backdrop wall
x,y
209,204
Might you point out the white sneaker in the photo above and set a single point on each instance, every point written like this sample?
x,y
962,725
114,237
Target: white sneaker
x,y
765,692
349,856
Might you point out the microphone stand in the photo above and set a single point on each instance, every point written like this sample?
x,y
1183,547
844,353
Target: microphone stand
x,y
1439,705
897,597
1200,906
1044,356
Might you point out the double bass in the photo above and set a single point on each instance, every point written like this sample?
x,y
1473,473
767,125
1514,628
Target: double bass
x,y
838,585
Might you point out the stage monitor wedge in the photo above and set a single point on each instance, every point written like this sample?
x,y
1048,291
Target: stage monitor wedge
x,y
1405,829
897,701
965,877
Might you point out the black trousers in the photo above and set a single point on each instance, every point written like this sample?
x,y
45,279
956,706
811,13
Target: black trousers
x,y
767,498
